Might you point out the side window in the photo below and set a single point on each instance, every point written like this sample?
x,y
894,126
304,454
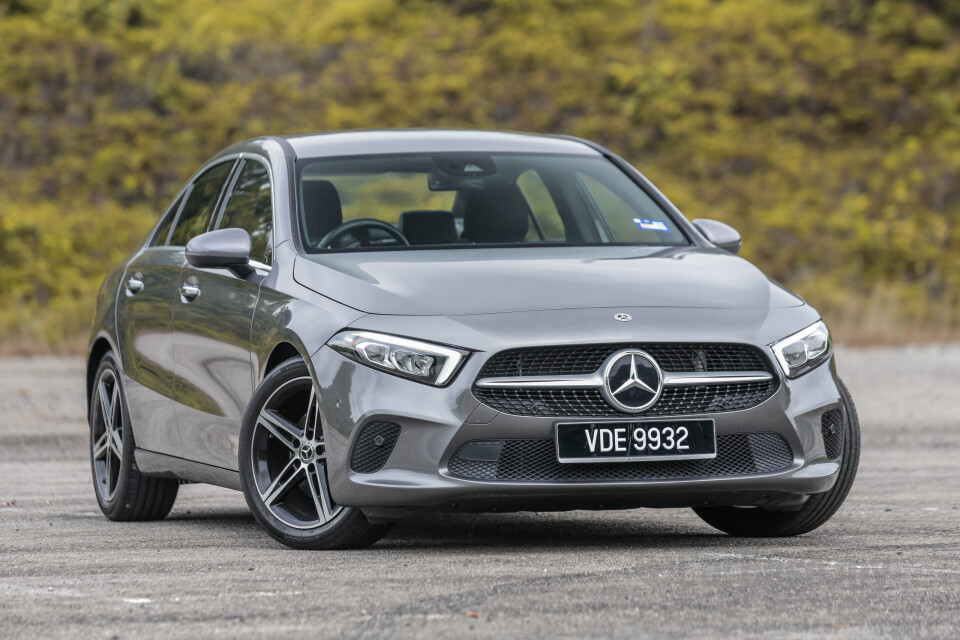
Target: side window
x,y
250,207
542,206
198,208
160,237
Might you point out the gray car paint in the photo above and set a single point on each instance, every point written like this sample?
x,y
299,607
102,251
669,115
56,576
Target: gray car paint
x,y
214,372
144,329
483,300
446,282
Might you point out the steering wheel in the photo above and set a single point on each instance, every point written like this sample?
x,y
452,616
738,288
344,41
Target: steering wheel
x,y
355,225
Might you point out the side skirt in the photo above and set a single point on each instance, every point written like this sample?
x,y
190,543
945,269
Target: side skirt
x,y
164,466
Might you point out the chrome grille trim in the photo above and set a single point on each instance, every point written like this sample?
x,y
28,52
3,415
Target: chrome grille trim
x,y
595,380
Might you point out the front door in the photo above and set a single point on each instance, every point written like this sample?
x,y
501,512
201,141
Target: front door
x,y
211,349
211,329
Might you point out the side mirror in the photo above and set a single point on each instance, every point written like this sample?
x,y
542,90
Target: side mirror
x,y
221,249
720,234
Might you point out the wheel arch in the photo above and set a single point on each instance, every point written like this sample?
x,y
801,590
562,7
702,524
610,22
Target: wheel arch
x,y
282,351
100,346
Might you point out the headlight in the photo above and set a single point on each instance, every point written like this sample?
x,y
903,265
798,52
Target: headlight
x,y
420,361
804,350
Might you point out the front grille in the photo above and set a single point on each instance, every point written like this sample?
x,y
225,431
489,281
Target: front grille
x,y
674,401
587,359
584,359
374,445
535,460
831,425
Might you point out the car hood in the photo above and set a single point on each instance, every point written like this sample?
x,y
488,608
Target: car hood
x,y
479,281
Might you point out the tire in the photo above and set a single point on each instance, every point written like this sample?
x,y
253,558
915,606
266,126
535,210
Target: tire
x,y
123,493
761,523
282,461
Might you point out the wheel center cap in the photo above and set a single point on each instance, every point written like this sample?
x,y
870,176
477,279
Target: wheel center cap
x,y
306,453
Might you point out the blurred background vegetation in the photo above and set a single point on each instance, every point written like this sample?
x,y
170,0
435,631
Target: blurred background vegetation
x,y
827,131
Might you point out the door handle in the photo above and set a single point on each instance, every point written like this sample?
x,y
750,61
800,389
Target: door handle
x,y
189,291
134,285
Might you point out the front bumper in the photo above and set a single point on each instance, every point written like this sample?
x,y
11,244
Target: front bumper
x,y
435,422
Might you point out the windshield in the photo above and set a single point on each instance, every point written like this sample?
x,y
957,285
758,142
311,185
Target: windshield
x,y
474,200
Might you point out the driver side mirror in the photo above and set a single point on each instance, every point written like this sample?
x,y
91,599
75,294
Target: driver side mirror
x,y
720,234
221,249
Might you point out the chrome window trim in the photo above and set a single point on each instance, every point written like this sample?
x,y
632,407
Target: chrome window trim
x,y
259,266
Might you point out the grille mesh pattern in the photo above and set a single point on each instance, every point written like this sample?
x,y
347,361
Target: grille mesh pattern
x,y
535,460
831,425
674,401
587,359
374,445
584,359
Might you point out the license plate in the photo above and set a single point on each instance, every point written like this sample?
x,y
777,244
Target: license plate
x,y
631,441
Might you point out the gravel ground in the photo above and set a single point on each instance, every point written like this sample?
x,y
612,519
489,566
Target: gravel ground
x,y
887,565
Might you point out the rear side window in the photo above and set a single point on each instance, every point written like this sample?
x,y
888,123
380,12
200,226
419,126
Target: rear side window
x,y
250,207
198,209
160,237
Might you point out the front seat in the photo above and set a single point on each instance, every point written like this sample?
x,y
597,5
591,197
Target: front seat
x,y
428,227
495,215
322,211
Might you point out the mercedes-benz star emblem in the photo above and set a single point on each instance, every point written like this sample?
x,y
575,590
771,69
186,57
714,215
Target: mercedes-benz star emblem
x,y
622,317
306,453
632,380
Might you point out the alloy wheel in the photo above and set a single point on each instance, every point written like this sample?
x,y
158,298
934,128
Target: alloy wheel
x,y
107,435
288,457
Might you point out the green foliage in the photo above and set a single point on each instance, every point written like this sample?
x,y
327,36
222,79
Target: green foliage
x,y
827,131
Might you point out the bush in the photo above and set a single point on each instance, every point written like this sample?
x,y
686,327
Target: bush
x,y
828,133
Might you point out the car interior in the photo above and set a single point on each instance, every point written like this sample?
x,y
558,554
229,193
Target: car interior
x,y
432,202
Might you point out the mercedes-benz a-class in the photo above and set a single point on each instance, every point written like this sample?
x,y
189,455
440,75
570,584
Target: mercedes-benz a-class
x,y
355,327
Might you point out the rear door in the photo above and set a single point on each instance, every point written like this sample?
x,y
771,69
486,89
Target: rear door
x,y
143,332
211,329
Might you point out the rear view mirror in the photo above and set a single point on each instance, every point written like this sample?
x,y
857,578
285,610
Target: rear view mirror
x,y
720,234
221,249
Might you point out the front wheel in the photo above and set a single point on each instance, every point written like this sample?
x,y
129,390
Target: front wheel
x,y
761,523
283,467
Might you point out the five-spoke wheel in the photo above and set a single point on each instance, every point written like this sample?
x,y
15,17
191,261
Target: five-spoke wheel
x,y
122,491
106,424
289,457
284,471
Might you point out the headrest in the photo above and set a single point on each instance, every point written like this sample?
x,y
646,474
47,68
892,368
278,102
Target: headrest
x,y
495,215
428,227
321,208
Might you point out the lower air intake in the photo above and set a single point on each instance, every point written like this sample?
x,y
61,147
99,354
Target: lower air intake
x,y
534,460
831,426
374,445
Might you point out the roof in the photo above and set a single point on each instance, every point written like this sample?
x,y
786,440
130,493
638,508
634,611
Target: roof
x,y
355,143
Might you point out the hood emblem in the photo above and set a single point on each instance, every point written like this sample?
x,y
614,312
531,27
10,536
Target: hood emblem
x,y
622,317
632,380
